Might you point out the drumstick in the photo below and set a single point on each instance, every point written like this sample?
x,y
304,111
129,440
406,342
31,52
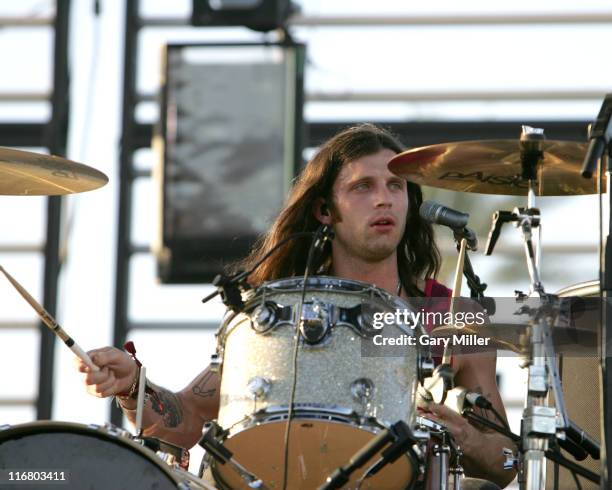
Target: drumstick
x,y
50,322
142,381
448,351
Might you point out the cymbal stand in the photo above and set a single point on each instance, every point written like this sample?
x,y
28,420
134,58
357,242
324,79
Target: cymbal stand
x,y
540,422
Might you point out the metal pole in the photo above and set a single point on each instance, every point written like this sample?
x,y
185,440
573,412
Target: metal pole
x,y
56,136
122,285
606,343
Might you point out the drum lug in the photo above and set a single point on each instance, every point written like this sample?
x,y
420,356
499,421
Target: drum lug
x,y
362,390
113,430
259,387
264,317
215,363
167,458
315,321
510,460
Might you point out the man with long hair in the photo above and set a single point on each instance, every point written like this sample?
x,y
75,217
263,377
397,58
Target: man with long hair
x,y
380,239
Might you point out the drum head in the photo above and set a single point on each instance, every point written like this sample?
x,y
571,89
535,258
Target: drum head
x,y
90,458
316,449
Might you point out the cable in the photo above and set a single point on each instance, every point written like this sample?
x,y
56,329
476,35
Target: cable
x,y
471,415
240,276
500,418
298,317
485,405
578,485
243,275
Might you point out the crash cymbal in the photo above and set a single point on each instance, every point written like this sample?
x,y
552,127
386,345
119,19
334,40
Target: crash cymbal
x,y
494,167
23,173
574,331
517,338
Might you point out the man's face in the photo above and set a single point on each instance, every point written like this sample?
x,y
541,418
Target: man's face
x,y
370,206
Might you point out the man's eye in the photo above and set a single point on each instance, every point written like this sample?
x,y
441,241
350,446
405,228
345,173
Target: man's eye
x,y
396,185
362,186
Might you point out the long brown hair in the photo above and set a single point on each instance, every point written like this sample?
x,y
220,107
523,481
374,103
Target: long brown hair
x,y
418,255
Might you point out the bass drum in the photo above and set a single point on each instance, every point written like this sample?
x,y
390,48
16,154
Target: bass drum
x,y
343,398
84,457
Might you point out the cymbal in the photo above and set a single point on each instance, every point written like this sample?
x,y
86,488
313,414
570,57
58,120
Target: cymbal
x,y
515,338
494,167
23,173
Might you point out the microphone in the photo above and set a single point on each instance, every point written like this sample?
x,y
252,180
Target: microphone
x,y
599,135
458,398
438,214
477,400
441,215
583,440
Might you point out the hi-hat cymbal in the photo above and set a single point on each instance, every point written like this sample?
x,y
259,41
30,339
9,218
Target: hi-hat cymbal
x,y
494,167
23,173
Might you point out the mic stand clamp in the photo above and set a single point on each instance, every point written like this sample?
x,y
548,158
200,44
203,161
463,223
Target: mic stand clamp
x,y
220,453
230,288
477,288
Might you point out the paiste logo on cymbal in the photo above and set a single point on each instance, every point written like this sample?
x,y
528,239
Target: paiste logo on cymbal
x,y
511,180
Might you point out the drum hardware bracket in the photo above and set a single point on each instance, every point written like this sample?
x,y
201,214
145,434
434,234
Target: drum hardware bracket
x,y
539,420
230,288
443,373
425,368
258,387
510,459
441,454
362,390
268,315
215,363
524,218
316,321
223,455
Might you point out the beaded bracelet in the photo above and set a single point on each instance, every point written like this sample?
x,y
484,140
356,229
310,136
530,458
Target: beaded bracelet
x,y
133,388
150,393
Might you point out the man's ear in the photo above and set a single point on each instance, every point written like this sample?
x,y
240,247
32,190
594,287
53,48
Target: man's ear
x,y
321,211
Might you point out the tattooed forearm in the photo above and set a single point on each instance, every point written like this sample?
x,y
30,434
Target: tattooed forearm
x,y
202,388
170,408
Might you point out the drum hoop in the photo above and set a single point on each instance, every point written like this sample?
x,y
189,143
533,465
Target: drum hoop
x,y
94,430
325,284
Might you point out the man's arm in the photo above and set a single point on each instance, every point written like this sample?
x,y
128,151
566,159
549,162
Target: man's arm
x,y
174,417
483,448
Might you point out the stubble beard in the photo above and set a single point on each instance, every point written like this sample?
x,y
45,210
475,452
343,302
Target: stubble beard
x,y
368,249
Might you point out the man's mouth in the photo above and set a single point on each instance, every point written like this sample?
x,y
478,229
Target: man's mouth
x,y
383,223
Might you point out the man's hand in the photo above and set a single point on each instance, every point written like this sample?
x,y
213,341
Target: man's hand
x,y
466,436
117,372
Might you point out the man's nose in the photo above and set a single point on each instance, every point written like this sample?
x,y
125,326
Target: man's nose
x,y
383,197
